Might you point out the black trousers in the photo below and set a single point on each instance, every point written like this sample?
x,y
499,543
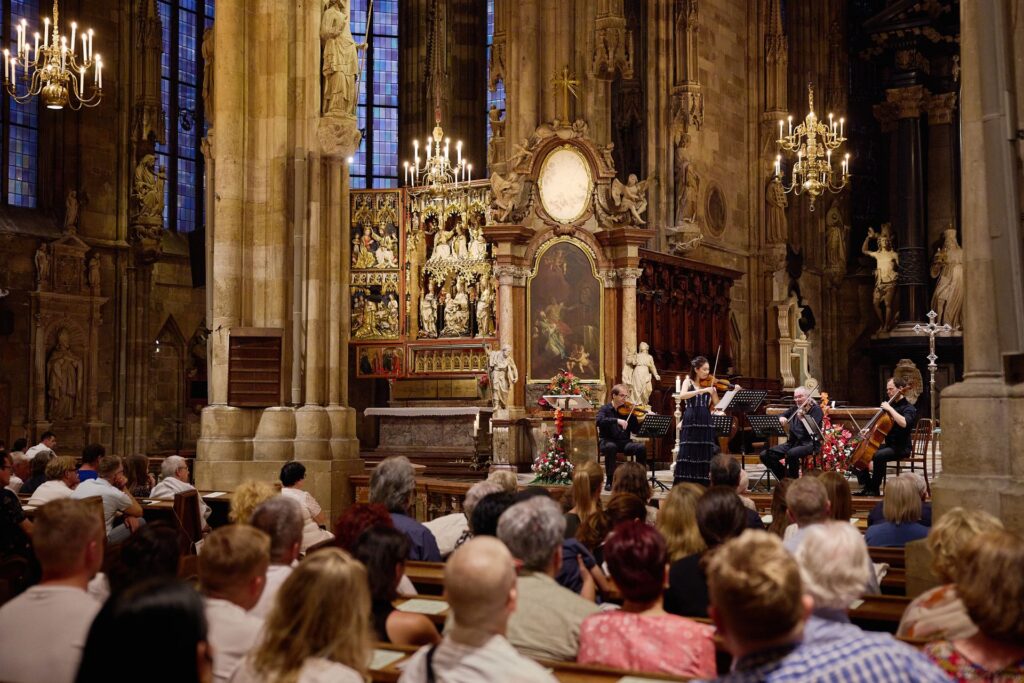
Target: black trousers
x,y
792,453
609,449
878,466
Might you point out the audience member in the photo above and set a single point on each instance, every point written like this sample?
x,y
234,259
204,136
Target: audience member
x,y
547,621
110,486
232,573
383,550
720,516
140,480
319,627
991,584
37,472
393,484
506,479
876,515
807,503
725,471
484,520
585,519
631,477
22,466
174,479
247,497
358,518
743,488
17,449
452,530
780,512
159,612
61,479
480,583
293,485
901,507
280,518
45,628
15,529
642,636
759,608
840,498
91,455
47,442
677,521
153,552
939,613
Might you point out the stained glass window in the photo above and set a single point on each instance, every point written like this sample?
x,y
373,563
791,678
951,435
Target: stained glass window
x,y
497,96
181,74
21,121
376,162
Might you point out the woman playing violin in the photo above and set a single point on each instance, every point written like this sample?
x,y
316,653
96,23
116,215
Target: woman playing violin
x,y
897,443
697,442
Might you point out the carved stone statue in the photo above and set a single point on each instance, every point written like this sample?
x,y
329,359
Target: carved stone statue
x,y
428,314
836,235
628,367
777,228
497,123
63,379
71,212
687,187
503,374
887,263
521,153
93,274
624,203
477,243
340,60
148,193
456,313
948,267
42,259
643,369
207,49
507,192
442,244
483,312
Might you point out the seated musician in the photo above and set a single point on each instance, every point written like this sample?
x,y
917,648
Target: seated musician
x,y
898,443
804,420
613,432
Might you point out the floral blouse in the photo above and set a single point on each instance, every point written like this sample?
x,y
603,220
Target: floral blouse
x,y
959,668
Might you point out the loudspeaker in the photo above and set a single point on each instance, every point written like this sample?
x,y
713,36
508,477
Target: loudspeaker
x,y
197,256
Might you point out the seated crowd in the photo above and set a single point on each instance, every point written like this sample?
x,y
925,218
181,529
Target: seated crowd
x,y
704,592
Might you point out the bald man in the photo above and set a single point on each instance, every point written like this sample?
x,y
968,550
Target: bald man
x,y
480,584
804,420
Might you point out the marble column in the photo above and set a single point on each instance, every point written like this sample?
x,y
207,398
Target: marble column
x,y
943,139
627,281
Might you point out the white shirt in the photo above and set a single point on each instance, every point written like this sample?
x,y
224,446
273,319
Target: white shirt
x,y
38,448
42,633
311,532
114,500
55,489
276,575
15,484
232,634
447,531
314,670
496,661
171,485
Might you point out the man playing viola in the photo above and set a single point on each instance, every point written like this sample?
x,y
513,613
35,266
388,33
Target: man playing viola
x,y
804,420
897,443
613,433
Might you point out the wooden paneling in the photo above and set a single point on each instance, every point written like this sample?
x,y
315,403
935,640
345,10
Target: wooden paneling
x,y
254,368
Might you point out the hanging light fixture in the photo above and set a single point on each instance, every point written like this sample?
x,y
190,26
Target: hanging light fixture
x,y
813,141
438,175
52,68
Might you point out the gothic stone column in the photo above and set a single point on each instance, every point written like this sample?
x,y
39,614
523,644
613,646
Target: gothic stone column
x,y
943,138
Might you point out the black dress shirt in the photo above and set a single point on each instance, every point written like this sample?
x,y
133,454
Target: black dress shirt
x,y
898,437
608,428
798,434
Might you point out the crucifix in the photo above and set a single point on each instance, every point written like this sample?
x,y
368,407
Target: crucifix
x,y
567,83
931,329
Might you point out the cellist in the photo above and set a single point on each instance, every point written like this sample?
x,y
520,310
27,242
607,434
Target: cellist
x,y
897,443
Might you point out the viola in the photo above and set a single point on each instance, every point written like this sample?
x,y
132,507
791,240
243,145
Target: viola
x,y
629,408
875,432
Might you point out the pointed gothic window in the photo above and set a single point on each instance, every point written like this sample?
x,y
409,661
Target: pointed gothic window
x,y
497,96
376,161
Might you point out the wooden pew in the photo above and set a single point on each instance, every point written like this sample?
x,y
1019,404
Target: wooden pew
x,y
879,612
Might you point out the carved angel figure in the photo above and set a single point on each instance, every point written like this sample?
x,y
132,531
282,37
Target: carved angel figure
x,y
624,203
507,191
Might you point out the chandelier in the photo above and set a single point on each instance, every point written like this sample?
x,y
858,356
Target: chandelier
x,y
812,173
438,175
52,69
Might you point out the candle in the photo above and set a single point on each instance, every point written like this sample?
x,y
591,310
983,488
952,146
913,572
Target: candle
x,y
679,380
85,47
841,119
428,150
790,125
828,158
99,72
81,76
458,151
90,43
46,32
470,171
37,45
74,32
780,129
14,70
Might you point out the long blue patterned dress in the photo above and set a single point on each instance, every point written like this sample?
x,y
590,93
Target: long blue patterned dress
x,y
696,441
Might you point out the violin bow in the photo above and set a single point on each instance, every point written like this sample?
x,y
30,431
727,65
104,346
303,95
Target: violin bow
x,y
717,354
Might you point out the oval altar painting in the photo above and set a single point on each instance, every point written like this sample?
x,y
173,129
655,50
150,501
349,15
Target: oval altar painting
x,y
565,185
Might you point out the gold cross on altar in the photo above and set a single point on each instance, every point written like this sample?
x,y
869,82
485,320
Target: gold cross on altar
x,y
567,83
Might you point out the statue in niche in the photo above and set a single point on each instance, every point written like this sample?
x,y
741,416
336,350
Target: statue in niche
x,y
887,263
148,193
503,375
835,240
386,257
442,244
42,259
687,187
507,192
483,312
71,212
606,155
456,313
624,203
948,267
63,379
340,60
207,49
497,123
477,243
428,313
369,325
776,224
93,274
472,301
459,248
389,316
643,370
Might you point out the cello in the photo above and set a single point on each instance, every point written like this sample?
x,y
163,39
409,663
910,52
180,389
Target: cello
x,y
875,432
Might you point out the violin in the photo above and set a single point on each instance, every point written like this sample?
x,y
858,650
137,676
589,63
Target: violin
x,y
875,432
629,408
720,385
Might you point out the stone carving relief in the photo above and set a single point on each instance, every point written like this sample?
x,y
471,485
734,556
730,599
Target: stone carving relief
x,y
638,372
42,259
504,374
622,204
511,197
71,212
147,207
948,267
836,236
63,379
776,224
340,65
93,274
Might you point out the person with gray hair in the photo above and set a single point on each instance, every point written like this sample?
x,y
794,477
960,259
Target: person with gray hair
x,y
280,518
480,583
452,530
804,419
393,485
546,623
174,479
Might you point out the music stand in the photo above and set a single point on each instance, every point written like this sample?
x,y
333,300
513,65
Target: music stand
x,y
722,424
655,427
746,401
764,427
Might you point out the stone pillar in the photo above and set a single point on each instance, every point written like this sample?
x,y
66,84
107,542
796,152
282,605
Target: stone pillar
x,y
908,222
627,280
943,139
524,85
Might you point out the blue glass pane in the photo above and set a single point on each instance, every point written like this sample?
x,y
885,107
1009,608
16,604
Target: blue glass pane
x,y
187,58
165,101
187,190
490,22
358,182
26,114
21,166
385,71
385,18
165,52
385,142
358,18
161,162
209,9
188,140
190,5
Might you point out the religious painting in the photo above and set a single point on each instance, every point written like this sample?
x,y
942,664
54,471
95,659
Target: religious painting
x,y
564,300
375,230
380,361
375,311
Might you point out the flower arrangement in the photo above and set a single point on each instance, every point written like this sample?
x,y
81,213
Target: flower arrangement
x,y
566,384
837,446
553,467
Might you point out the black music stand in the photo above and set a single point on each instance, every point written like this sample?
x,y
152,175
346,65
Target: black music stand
x,y
722,424
744,402
765,427
655,427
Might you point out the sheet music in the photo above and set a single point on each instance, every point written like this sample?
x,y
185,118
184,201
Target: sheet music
x,y
726,399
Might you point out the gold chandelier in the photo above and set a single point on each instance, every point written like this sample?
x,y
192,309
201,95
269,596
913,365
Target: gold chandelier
x,y
438,175
812,173
51,68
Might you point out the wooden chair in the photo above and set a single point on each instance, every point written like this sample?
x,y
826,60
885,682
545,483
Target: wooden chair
x,y
921,440
188,519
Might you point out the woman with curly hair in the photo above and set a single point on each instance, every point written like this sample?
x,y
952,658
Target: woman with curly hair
x,y
247,498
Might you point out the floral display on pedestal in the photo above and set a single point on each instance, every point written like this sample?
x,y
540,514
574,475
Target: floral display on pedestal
x,y
565,383
553,467
838,442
